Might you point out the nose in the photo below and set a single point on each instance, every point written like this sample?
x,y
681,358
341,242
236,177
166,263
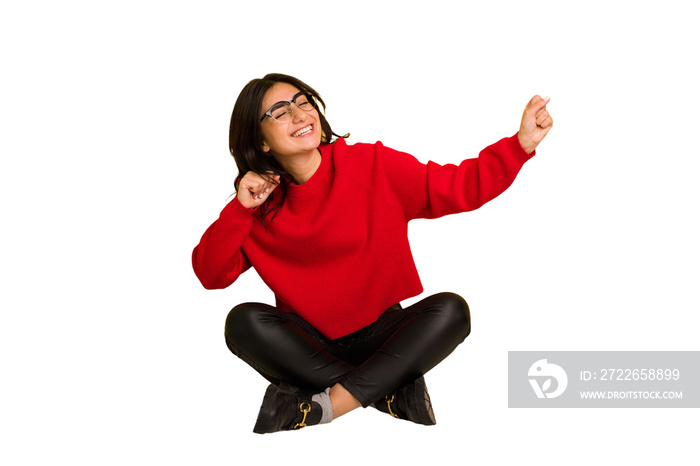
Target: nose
x,y
298,114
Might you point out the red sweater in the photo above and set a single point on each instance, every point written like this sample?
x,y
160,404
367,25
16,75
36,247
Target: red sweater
x,y
337,254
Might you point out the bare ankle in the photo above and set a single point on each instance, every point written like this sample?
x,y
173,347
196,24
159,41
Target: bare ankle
x,y
342,400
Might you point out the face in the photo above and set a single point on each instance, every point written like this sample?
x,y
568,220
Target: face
x,y
298,137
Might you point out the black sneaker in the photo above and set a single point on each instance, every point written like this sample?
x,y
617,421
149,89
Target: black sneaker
x,y
410,402
286,411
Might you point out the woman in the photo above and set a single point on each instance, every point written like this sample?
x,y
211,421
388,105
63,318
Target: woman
x,y
324,224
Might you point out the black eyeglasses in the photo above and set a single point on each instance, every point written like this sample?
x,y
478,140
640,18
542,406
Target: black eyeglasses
x,y
282,110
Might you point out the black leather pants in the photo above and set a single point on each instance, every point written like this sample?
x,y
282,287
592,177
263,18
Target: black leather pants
x,y
399,347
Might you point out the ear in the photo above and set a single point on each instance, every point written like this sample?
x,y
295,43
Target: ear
x,y
265,147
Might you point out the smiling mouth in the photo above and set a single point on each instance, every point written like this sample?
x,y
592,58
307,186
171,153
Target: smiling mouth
x,y
303,131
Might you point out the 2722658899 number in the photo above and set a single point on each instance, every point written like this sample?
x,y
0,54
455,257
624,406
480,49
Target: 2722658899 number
x,y
639,374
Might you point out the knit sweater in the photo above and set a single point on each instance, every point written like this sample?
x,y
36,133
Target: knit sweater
x,y
337,254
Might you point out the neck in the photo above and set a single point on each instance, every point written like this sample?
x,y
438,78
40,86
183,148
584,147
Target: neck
x,y
302,169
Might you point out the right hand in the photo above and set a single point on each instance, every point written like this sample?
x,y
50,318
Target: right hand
x,y
253,189
535,124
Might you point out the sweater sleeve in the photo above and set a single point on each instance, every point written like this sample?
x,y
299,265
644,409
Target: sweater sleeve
x,y
432,190
218,259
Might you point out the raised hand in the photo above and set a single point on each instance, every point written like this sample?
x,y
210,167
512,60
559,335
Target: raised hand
x,y
535,124
254,189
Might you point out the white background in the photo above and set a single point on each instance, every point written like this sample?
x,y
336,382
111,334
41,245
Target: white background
x,y
113,132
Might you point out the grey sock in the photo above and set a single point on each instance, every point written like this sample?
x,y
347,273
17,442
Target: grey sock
x,y
324,399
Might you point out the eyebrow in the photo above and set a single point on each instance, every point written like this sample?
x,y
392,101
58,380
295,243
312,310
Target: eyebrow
x,y
294,97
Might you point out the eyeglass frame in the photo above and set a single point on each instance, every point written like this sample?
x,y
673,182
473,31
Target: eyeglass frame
x,y
289,104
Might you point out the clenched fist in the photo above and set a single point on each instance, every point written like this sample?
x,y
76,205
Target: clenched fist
x,y
535,124
254,189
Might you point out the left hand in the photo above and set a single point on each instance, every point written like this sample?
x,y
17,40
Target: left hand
x,y
535,124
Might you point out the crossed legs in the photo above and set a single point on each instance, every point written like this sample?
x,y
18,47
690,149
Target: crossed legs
x,y
360,368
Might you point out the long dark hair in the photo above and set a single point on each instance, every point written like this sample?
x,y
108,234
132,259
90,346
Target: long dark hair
x,y
246,138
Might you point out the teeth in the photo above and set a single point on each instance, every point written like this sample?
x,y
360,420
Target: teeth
x,y
302,131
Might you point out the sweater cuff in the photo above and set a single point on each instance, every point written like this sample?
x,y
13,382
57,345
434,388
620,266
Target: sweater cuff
x,y
237,209
516,142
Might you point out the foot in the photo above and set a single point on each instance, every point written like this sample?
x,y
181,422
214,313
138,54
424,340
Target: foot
x,y
410,402
281,410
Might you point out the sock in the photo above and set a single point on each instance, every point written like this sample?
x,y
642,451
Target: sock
x,y
324,400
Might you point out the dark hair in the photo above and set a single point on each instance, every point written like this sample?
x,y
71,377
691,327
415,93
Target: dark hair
x,y
246,138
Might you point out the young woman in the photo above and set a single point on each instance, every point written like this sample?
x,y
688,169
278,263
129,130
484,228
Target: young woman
x,y
324,224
